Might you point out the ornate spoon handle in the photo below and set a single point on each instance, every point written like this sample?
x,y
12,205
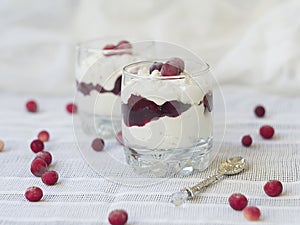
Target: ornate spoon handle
x,y
192,191
231,166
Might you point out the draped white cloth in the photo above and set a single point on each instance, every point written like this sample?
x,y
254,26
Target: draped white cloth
x,y
254,43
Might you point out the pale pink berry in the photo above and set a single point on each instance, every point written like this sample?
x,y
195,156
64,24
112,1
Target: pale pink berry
x,y
71,108
98,144
238,201
38,167
177,62
118,217
37,145
46,156
31,106
33,194
259,111
155,66
50,177
246,140
273,188
123,45
266,131
252,213
119,138
43,136
1,145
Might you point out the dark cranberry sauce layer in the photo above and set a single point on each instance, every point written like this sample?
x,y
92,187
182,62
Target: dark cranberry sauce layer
x,y
207,102
139,111
86,88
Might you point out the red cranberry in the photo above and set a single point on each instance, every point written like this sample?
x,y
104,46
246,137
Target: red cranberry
x,y
117,87
207,101
71,108
259,111
246,140
50,177
46,156
273,188
38,167
238,201
251,213
266,131
37,146
98,144
118,217
1,145
31,106
169,70
33,194
119,138
43,136
155,66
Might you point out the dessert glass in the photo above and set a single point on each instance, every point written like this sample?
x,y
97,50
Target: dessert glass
x,y
98,79
167,121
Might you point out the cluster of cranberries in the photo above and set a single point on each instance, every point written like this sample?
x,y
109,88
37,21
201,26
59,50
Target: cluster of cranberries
x,y
172,67
39,167
32,107
120,46
272,188
238,201
265,131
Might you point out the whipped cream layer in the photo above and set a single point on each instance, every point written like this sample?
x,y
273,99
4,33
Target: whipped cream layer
x,y
103,72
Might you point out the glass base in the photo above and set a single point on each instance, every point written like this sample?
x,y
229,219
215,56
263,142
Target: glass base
x,y
100,126
164,163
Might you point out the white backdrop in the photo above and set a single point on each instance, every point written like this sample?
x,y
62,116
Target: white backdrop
x,y
253,43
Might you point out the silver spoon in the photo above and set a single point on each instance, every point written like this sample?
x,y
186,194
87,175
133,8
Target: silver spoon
x,y
231,166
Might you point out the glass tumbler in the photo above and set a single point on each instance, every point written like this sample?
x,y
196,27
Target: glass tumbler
x,y
98,79
167,117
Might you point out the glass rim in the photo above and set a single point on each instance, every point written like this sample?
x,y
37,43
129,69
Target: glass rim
x,y
195,74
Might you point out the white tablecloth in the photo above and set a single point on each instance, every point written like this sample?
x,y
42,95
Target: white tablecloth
x,y
83,196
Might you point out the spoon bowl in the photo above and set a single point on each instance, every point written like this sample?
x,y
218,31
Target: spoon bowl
x,y
232,165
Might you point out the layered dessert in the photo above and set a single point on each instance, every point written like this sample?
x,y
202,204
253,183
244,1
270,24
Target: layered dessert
x,y
166,112
98,79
